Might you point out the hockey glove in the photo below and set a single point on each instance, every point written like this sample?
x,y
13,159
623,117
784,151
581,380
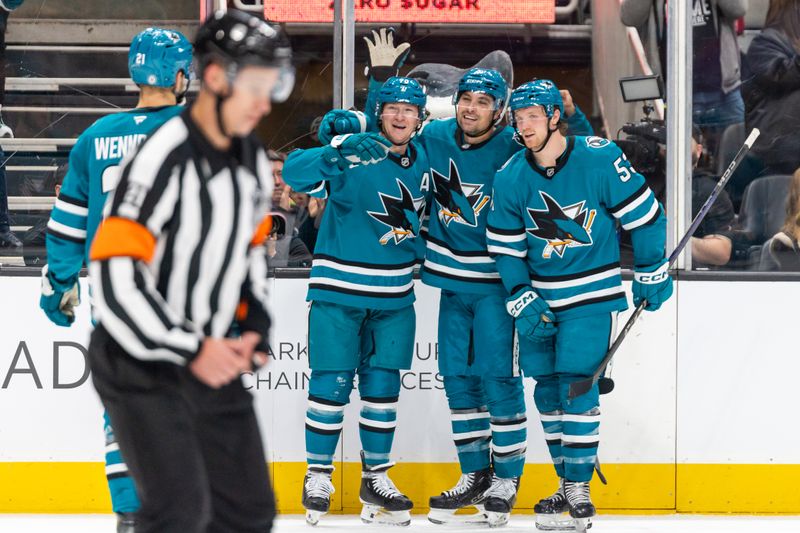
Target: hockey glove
x,y
59,299
532,316
356,149
385,59
652,284
340,122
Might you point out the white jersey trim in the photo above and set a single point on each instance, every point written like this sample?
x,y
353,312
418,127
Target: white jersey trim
x,y
505,238
502,250
643,220
366,271
72,209
616,271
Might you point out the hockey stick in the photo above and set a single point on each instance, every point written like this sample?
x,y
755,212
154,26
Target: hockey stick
x,y
583,386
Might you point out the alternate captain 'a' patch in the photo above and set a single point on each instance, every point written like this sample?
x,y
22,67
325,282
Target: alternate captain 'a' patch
x,y
402,215
561,227
458,202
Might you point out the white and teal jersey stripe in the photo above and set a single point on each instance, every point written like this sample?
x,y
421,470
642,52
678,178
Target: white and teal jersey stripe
x,y
460,193
360,284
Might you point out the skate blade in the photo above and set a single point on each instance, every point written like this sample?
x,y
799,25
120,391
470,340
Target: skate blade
x,y
312,517
447,517
562,522
494,519
374,514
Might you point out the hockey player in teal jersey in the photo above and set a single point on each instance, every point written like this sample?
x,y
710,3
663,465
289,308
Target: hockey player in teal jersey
x,y
483,387
552,230
362,320
159,63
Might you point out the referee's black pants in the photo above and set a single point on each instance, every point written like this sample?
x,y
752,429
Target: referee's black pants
x,y
194,453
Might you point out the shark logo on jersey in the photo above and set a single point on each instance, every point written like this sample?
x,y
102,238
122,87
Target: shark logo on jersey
x,y
561,227
402,215
596,142
458,201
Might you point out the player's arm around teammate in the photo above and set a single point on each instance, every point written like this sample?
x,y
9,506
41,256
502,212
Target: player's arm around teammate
x,y
361,319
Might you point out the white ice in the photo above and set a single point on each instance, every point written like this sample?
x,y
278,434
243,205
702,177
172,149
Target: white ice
x,y
334,524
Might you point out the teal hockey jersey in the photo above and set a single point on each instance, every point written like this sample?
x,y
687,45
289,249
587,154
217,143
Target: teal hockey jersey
x,y
562,223
460,189
459,194
368,242
92,173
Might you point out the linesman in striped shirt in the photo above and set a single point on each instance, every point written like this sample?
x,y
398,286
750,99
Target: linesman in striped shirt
x,y
178,262
159,63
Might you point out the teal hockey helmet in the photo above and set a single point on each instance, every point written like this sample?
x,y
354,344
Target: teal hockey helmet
x,y
533,93
157,55
403,90
483,80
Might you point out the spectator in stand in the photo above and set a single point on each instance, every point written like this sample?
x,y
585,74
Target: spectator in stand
x,y
783,250
712,242
772,94
717,99
286,249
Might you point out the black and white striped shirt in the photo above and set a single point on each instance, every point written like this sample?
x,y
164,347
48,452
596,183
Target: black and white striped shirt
x,y
179,252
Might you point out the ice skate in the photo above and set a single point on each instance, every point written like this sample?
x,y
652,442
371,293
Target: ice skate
x,y
126,522
317,490
551,512
581,508
383,503
468,492
499,500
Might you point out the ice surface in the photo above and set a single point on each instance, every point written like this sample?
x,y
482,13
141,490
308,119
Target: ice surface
x,y
334,523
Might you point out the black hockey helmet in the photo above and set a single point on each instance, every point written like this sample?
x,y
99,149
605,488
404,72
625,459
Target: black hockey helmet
x,y
236,39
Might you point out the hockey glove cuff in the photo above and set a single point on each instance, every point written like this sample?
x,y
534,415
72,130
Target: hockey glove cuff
x,y
357,149
340,122
532,316
652,284
59,299
385,59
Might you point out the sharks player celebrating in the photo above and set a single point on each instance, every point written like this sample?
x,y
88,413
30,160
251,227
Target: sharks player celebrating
x,y
362,317
484,389
552,230
159,63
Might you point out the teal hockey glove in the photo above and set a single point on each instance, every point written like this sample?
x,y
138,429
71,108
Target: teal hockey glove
x,y
357,149
532,316
385,59
340,122
653,284
59,299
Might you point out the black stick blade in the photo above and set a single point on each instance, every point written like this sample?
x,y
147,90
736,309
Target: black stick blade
x,y
578,388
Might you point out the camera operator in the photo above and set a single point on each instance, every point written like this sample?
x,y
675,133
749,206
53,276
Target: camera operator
x,y
714,240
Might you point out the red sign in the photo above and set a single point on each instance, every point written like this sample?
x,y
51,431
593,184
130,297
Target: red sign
x,y
436,11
